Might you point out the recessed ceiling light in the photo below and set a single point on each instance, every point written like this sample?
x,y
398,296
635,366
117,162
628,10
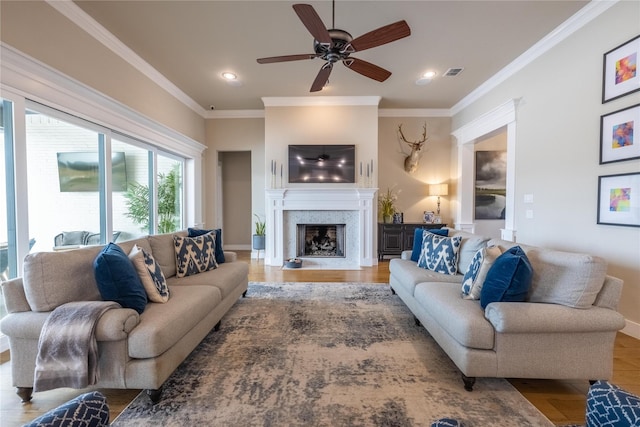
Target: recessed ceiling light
x,y
426,78
229,76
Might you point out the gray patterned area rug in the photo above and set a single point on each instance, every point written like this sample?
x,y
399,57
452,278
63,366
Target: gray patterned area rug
x,y
324,354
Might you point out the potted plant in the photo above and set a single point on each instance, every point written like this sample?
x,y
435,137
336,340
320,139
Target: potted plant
x,y
386,206
258,237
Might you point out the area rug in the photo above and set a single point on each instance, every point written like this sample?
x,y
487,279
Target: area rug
x,y
324,354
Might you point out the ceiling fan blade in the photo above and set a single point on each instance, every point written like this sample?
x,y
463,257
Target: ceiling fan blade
x,y
286,58
312,21
382,35
322,78
367,69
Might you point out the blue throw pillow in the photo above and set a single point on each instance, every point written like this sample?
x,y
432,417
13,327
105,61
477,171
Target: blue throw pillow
x,y
508,279
219,252
417,240
439,253
118,279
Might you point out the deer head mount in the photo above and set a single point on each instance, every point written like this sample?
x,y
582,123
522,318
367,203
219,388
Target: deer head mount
x,y
413,158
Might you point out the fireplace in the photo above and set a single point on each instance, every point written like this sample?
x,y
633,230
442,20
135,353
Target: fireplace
x,y
352,207
320,240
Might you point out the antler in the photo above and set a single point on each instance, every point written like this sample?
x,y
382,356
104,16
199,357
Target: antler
x,y
414,143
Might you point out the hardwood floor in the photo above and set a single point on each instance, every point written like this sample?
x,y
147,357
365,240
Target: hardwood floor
x,y
563,402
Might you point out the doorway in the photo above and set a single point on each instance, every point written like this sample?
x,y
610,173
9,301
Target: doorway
x,y
234,199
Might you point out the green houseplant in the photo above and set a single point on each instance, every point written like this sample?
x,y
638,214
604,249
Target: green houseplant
x,y
259,236
386,205
137,201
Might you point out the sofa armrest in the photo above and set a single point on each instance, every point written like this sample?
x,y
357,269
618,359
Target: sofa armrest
x,y
230,256
115,324
15,300
526,317
406,254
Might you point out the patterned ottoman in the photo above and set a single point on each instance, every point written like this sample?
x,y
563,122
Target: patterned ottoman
x,y
609,405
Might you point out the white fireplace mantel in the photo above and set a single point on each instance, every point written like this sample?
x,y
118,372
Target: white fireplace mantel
x,y
320,199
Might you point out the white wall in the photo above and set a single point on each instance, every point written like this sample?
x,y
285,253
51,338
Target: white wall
x,y
557,152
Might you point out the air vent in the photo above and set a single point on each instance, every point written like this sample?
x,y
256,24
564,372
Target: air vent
x,y
452,72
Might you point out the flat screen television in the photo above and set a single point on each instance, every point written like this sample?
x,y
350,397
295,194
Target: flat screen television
x,y
78,171
322,164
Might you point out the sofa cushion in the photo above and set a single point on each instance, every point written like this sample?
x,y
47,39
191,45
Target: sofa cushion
x,y
609,405
163,251
477,272
226,278
408,275
195,254
162,325
508,278
439,254
118,280
150,273
55,278
462,319
418,235
195,232
469,245
566,278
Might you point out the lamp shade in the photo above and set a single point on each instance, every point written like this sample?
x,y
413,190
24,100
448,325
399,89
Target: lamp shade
x,y
438,189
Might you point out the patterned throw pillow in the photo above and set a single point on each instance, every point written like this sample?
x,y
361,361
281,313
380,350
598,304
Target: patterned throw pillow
x,y
153,280
418,235
477,271
195,254
195,232
439,253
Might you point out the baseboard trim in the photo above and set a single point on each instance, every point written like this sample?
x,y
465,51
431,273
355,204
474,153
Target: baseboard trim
x,y
632,329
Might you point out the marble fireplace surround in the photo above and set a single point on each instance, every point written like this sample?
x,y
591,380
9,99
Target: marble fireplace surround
x,y
285,207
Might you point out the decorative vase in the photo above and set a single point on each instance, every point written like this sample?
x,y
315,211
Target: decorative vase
x,y
387,219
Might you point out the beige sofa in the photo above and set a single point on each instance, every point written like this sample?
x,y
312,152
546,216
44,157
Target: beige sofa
x,y
565,330
136,351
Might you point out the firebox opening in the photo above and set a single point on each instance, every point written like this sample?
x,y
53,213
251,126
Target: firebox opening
x,y
321,240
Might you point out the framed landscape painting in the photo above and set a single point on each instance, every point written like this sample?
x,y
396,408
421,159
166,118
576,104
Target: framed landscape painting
x,y
619,199
618,140
490,184
620,76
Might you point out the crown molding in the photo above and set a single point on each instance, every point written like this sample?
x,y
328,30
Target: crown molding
x,y
41,83
320,101
234,114
79,17
581,18
414,112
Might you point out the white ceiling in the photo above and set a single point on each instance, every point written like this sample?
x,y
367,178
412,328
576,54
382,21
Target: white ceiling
x,y
192,42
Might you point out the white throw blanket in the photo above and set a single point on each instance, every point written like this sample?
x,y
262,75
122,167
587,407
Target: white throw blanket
x,y
67,349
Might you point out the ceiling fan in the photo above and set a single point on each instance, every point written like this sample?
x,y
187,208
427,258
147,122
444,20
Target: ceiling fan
x,y
333,45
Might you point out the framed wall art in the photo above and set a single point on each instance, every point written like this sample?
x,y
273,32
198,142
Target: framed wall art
x,y
619,199
618,141
620,76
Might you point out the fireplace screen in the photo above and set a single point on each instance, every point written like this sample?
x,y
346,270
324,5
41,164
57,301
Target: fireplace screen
x,y
321,240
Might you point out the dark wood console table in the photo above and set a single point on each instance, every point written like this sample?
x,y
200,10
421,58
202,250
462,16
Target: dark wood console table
x,y
395,238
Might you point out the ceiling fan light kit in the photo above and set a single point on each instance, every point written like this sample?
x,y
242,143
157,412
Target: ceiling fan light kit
x,y
333,45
